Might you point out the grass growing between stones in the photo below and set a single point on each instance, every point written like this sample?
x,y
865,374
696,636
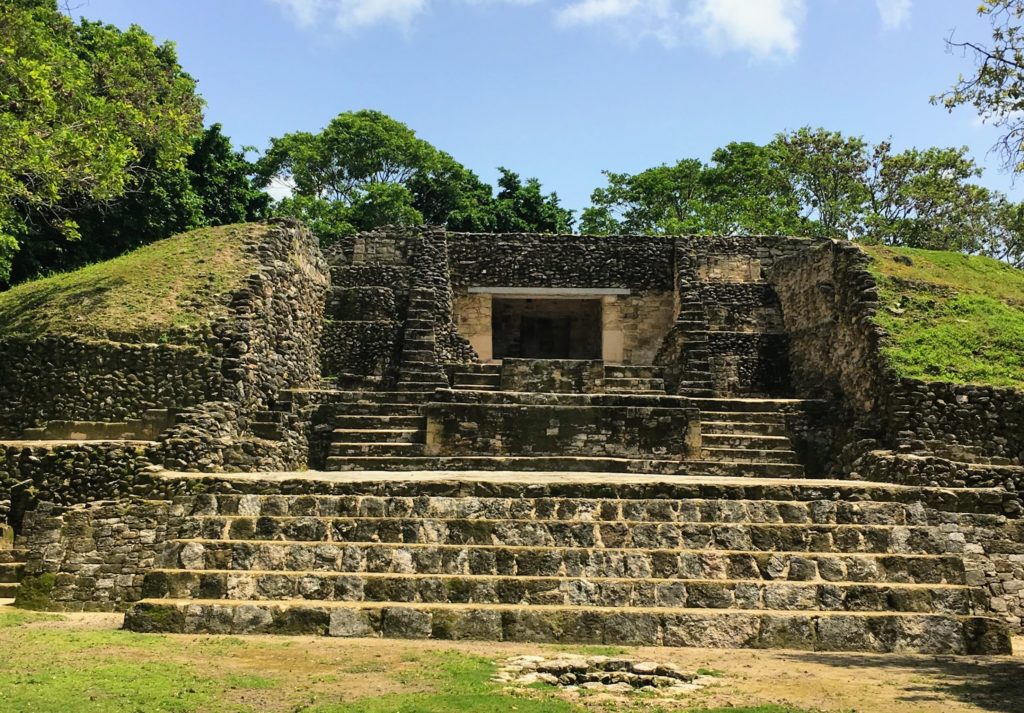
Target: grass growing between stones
x,y
951,317
163,291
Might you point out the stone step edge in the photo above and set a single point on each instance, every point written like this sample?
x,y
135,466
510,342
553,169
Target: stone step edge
x,y
566,578
962,634
538,485
559,548
567,521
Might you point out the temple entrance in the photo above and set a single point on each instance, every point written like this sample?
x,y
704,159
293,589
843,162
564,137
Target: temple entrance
x,y
546,328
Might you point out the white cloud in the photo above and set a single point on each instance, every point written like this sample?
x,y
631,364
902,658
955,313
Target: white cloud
x,y
631,19
895,13
765,28
352,14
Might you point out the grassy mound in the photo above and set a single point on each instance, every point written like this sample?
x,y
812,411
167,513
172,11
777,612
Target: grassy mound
x,y
951,317
165,291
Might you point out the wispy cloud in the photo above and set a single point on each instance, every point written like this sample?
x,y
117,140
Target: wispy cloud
x,y
761,28
895,13
351,14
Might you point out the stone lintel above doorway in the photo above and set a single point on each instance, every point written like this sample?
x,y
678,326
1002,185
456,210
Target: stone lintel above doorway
x,y
550,292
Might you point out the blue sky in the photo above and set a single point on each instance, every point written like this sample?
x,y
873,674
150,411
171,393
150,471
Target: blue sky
x,y
560,89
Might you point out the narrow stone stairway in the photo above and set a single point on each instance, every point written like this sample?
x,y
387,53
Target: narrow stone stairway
x,y
12,564
738,430
418,369
817,565
376,425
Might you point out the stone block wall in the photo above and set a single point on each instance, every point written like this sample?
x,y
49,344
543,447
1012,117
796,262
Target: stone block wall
x,y
68,473
67,379
95,557
559,376
828,300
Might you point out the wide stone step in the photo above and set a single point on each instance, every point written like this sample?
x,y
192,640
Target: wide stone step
x,y
373,421
579,464
433,376
345,449
477,378
378,435
564,591
745,405
745,441
805,504
9,590
617,534
741,417
752,428
821,631
471,368
631,383
426,387
748,455
411,354
414,558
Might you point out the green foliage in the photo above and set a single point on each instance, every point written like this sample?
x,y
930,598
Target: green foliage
x,y
34,592
365,169
81,107
951,317
168,290
221,178
996,86
817,182
212,188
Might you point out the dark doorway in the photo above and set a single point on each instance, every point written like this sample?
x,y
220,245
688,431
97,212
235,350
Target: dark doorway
x,y
546,328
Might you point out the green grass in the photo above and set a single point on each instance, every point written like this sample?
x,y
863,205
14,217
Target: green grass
x,y
165,291
951,317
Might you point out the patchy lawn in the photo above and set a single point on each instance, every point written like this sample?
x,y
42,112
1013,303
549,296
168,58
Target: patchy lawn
x,y
165,291
68,663
951,317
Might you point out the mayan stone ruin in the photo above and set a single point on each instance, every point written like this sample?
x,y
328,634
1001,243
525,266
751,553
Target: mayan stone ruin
x,y
674,441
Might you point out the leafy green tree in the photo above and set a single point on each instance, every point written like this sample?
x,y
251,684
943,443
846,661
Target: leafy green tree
x,y
749,193
222,178
662,199
213,187
522,207
365,169
925,199
84,108
996,86
826,171
743,191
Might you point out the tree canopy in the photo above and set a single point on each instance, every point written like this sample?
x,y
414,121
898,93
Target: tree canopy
x,y
995,88
365,169
85,110
817,182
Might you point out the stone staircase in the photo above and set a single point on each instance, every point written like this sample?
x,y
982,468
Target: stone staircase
x,y
816,565
740,430
12,564
692,323
418,369
376,426
629,379
476,377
